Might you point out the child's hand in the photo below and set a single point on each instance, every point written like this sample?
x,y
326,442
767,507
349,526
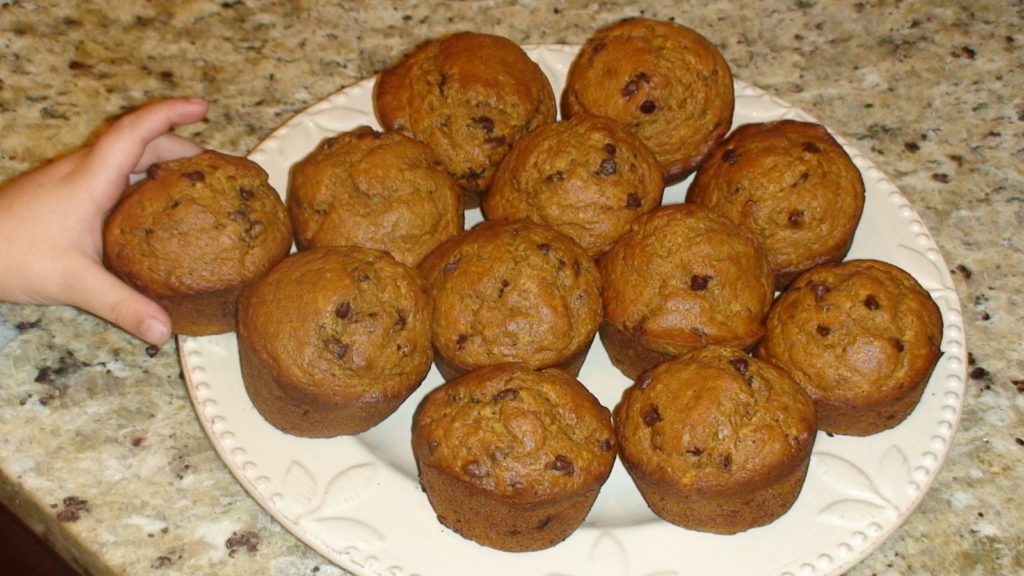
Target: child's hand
x,y
51,220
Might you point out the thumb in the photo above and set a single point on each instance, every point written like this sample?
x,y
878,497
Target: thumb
x,y
103,294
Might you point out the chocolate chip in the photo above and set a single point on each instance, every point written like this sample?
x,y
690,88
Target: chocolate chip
x,y
730,156
599,47
400,321
633,201
545,248
823,330
441,83
451,267
484,123
740,364
811,148
563,464
652,416
476,469
699,282
899,346
630,89
343,310
871,303
576,268
362,277
795,217
195,176
606,445
153,171
246,193
504,286
460,340
695,451
505,394
152,351
819,290
726,461
608,167
610,149
804,177
555,177
544,522
648,107
340,350
432,446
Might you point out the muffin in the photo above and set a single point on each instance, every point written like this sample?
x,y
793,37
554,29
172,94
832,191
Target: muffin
x,y
682,277
861,337
469,96
588,177
716,441
512,291
376,189
666,82
792,186
194,233
512,458
333,340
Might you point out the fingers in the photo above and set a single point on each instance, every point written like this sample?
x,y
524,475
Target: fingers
x,y
166,147
123,146
104,295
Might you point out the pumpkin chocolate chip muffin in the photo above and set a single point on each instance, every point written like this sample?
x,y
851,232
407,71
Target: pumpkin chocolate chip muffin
x,y
862,337
376,189
333,340
715,440
790,184
588,177
193,233
469,96
513,458
512,291
682,277
664,81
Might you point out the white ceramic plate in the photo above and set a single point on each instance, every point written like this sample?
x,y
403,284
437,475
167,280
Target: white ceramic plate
x,y
357,501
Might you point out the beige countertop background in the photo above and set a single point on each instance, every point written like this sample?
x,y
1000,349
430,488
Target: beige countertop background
x,y
100,449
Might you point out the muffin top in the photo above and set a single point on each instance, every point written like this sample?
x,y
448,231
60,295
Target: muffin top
x,y
715,419
684,276
469,96
512,290
340,322
859,333
197,225
381,190
524,434
588,177
665,81
791,185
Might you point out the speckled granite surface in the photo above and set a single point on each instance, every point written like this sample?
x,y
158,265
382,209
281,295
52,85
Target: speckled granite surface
x,y
99,447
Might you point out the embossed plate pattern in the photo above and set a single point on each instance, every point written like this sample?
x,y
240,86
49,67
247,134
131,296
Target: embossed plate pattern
x,y
357,501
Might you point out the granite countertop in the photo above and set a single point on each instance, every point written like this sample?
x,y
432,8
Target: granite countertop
x,y
100,449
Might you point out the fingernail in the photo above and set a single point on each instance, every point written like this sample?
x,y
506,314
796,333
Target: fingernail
x,y
155,331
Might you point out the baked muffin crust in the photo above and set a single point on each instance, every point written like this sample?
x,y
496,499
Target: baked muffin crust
x,y
792,186
588,177
511,457
861,337
381,190
665,81
193,233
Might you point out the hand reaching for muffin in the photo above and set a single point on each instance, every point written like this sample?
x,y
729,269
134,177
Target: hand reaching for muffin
x,y
51,219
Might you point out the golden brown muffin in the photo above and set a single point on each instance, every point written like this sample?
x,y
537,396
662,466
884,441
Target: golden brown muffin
x,y
194,233
862,337
333,340
792,186
665,81
513,458
715,440
381,190
512,291
469,96
588,177
681,278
